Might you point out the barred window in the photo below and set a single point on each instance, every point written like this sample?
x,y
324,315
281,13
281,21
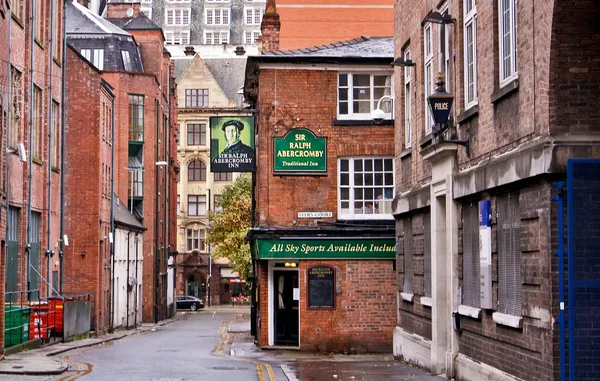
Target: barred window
x,y
471,281
509,254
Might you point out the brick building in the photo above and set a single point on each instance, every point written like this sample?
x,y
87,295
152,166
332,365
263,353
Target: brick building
x,y
322,242
207,87
31,99
130,64
525,84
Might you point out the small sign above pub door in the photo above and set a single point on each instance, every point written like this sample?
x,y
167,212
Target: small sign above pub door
x,y
321,287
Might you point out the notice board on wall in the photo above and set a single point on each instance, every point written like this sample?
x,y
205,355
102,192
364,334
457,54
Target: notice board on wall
x,y
321,287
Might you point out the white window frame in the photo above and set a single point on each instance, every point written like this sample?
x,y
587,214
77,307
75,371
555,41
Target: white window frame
x,y
212,35
195,240
178,37
351,215
147,11
470,19
252,36
444,62
126,57
373,102
178,16
213,16
255,12
217,1
99,58
407,103
178,1
511,14
428,74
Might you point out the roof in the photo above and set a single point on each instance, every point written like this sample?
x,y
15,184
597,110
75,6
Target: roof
x,y
124,217
82,21
139,22
364,47
229,73
181,65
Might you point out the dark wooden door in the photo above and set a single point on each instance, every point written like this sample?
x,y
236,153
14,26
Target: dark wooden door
x,y
286,308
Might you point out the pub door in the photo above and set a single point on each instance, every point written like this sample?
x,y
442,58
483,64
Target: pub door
x,y
286,308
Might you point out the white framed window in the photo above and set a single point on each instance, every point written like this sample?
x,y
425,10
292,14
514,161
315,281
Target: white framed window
x,y
216,38
359,93
507,34
217,1
217,16
444,45
147,11
253,16
179,17
251,37
178,1
428,74
177,37
126,60
178,205
146,1
407,103
365,188
196,239
470,55
99,58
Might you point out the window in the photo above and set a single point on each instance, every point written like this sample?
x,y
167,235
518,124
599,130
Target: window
x,y
37,123
445,53
253,16
427,253
55,134
18,7
470,56
39,24
126,60
358,95
136,118
196,205
178,38
96,56
218,205
251,38
56,33
197,171
196,239
178,205
16,112
428,76
216,38
223,176
507,24
178,1
136,183
408,257
87,53
407,104
196,98
470,270
147,11
509,254
179,17
365,188
217,16
178,136
196,135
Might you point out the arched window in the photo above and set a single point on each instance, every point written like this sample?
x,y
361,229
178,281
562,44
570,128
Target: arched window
x,y
197,171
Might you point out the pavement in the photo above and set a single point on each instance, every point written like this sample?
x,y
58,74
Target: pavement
x,y
295,365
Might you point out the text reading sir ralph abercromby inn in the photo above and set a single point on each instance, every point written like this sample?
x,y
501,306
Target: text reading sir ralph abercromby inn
x,y
300,151
311,248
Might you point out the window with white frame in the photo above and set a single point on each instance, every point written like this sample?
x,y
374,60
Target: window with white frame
x,y
507,24
196,205
509,254
359,93
470,263
470,55
178,205
428,76
126,60
196,239
178,1
177,17
407,103
147,11
146,1
365,188
253,16
445,52
217,16
217,1
96,56
251,37
216,38
178,37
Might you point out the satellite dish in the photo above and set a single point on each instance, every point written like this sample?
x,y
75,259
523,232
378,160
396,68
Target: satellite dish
x,y
129,12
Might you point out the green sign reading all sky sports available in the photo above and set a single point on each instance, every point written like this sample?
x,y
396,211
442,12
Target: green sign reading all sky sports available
x,y
300,151
372,248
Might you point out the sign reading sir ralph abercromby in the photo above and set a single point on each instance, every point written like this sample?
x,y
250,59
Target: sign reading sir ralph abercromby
x,y
232,144
300,151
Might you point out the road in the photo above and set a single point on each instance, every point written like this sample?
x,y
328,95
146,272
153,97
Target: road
x,y
192,348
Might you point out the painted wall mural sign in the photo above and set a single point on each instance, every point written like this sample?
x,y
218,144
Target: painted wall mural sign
x,y
369,248
300,151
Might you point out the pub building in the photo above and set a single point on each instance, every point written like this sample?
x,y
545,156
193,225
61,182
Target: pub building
x,y
323,242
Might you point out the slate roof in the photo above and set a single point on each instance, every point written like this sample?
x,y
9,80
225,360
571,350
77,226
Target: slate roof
x,y
229,73
81,21
181,65
365,47
124,218
139,22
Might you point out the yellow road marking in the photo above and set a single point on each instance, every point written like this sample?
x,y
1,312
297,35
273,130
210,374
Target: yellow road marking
x,y
83,369
261,374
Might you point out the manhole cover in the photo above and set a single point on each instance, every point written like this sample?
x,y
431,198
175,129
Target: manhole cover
x,y
17,367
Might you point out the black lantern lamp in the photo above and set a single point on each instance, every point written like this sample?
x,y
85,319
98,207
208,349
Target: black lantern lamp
x,y
440,104
438,18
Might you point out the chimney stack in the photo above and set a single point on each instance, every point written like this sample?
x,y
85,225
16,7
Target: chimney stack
x,y
121,9
269,28
189,51
239,51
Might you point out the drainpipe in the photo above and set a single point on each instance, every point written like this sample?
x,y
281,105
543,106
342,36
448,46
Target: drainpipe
x,y
157,249
112,213
31,63
137,303
209,282
127,294
49,252
62,145
8,129
165,260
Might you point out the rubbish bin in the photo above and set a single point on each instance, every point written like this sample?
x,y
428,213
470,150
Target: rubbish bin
x,y
41,320
57,304
16,325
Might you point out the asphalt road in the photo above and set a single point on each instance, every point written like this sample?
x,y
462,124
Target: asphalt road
x,y
193,348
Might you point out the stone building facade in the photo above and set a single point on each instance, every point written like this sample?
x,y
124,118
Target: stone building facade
x,y
476,300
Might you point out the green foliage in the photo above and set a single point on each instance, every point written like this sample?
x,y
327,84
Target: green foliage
x,y
229,227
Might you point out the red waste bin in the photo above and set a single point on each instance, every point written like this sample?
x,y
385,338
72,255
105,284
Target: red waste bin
x,y
57,304
41,320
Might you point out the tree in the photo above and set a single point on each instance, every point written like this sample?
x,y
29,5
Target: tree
x,y
228,228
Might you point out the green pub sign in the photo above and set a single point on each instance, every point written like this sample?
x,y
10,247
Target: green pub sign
x,y
300,151
369,248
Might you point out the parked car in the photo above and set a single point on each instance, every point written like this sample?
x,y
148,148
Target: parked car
x,y
189,302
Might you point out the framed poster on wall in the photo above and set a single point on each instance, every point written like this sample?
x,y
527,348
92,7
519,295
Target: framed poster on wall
x,y
321,287
232,144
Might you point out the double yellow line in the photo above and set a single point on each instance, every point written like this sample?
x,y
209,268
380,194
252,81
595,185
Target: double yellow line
x,y
219,350
83,369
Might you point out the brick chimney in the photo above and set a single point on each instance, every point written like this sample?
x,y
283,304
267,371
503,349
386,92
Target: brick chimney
x,y
269,28
190,51
85,3
117,9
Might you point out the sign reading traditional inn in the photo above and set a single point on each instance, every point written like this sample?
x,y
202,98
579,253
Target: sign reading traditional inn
x,y
300,151
369,248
